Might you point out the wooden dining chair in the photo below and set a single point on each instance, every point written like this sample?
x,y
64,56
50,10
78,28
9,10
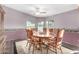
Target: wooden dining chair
x,y
32,41
50,30
53,33
55,43
29,34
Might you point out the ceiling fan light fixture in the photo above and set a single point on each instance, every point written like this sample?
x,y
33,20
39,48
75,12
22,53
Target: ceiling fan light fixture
x,y
37,13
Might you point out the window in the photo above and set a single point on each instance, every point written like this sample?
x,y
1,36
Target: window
x,y
49,24
29,25
40,26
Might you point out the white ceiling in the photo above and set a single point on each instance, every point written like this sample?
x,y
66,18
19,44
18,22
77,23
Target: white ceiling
x,y
44,9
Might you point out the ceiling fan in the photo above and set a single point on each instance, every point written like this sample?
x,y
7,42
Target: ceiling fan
x,y
39,11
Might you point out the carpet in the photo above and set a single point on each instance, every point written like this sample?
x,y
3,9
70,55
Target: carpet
x,y
23,49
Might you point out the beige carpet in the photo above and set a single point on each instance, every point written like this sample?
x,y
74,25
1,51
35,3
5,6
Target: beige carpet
x,y
22,49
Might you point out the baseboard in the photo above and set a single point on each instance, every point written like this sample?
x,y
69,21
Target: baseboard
x,y
72,47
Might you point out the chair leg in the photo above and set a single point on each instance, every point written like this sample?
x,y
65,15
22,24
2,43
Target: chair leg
x,y
55,50
41,48
47,49
29,48
33,48
61,50
27,43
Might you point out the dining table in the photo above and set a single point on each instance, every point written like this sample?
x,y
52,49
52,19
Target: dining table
x,y
42,38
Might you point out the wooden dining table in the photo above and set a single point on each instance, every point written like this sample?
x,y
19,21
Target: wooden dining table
x,y
41,38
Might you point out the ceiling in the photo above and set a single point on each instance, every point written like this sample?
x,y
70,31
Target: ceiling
x,y
43,10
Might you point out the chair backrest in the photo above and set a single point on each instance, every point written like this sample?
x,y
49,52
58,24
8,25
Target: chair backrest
x,y
60,35
55,32
29,33
50,31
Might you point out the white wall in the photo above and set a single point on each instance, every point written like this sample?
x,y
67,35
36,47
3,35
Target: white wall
x,y
69,20
15,19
